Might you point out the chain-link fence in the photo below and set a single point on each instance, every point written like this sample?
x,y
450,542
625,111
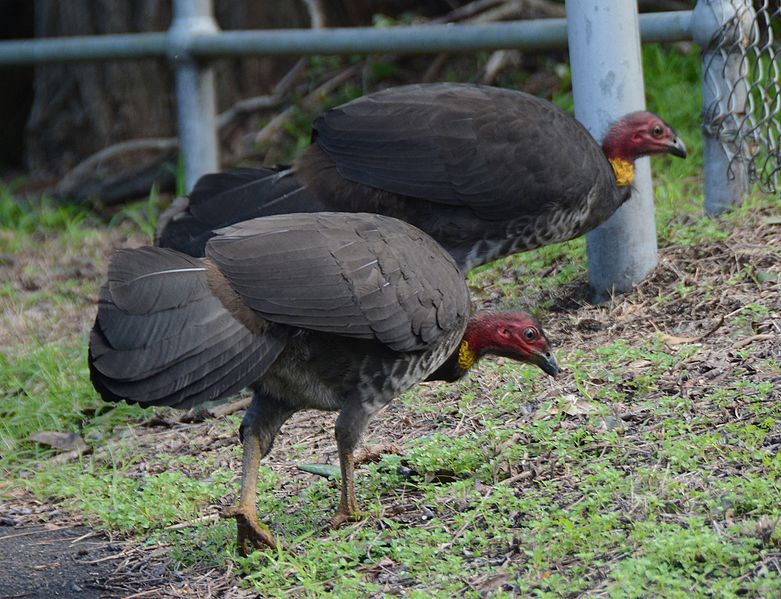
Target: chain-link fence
x,y
741,64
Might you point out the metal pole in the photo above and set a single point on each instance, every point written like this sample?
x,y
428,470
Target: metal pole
x,y
195,92
607,82
722,29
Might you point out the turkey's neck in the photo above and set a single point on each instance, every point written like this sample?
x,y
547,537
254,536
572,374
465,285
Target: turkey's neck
x,y
620,158
624,170
456,365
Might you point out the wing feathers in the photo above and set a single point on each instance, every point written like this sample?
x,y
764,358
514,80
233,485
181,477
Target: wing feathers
x,y
357,275
494,150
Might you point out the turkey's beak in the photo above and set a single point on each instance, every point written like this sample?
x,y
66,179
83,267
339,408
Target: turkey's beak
x,y
547,362
676,147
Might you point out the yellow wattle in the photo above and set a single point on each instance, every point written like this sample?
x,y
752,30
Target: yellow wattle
x,y
624,171
466,357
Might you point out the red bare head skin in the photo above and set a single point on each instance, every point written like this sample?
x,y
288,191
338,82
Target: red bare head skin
x,y
641,134
514,335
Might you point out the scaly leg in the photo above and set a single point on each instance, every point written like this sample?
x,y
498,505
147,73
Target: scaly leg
x,y
349,428
260,425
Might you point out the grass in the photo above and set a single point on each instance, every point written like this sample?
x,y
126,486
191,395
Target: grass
x,y
636,476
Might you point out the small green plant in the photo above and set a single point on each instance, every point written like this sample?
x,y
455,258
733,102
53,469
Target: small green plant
x,y
142,214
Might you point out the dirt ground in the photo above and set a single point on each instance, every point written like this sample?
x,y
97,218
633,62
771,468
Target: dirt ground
x,y
48,553
45,552
51,561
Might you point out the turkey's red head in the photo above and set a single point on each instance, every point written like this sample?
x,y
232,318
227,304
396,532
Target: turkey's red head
x,y
641,134
514,335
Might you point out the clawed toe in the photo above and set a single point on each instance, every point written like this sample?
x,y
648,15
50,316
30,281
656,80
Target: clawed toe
x,y
341,518
250,534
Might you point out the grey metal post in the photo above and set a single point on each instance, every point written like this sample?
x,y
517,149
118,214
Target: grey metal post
x,y
721,28
195,92
607,82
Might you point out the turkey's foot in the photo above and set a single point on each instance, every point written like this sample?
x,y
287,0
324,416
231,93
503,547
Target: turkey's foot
x,y
341,518
250,534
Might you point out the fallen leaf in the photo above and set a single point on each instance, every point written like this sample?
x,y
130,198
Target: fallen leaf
x,y
326,470
773,220
492,583
441,477
573,405
675,340
60,441
640,364
753,339
374,453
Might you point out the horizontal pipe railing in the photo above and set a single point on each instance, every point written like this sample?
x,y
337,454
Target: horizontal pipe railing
x,y
124,46
537,34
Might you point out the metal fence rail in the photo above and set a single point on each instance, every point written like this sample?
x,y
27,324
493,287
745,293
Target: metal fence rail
x,y
540,34
731,133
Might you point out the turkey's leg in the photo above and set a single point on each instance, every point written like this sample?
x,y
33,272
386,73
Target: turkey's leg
x,y
260,425
349,428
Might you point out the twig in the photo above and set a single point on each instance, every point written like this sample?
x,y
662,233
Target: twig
x,y
107,558
287,82
435,67
467,11
308,103
230,408
219,411
247,106
189,523
33,532
522,8
84,536
157,144
752,339
147,593
499,61
673,340
518,477
259,103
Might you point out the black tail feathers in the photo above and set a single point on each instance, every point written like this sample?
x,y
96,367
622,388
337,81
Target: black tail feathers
x,y
161,337
222,199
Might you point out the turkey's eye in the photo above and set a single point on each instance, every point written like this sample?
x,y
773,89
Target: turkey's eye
x,y
530,334
657,131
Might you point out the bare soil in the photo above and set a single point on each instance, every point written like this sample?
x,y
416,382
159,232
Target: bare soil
x,y
53,561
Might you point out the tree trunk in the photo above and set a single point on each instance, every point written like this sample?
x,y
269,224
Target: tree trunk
x,y
79,109
16,20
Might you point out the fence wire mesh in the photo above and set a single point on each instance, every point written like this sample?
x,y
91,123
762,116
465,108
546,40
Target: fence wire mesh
x,y
742,66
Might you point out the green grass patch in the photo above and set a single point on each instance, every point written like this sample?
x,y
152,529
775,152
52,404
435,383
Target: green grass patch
x,y
48,389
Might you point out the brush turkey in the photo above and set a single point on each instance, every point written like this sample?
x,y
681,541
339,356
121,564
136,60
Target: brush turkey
x,y
485,171
311,311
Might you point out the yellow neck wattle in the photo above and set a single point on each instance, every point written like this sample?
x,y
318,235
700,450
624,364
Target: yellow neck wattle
x,y
624,171
466,357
